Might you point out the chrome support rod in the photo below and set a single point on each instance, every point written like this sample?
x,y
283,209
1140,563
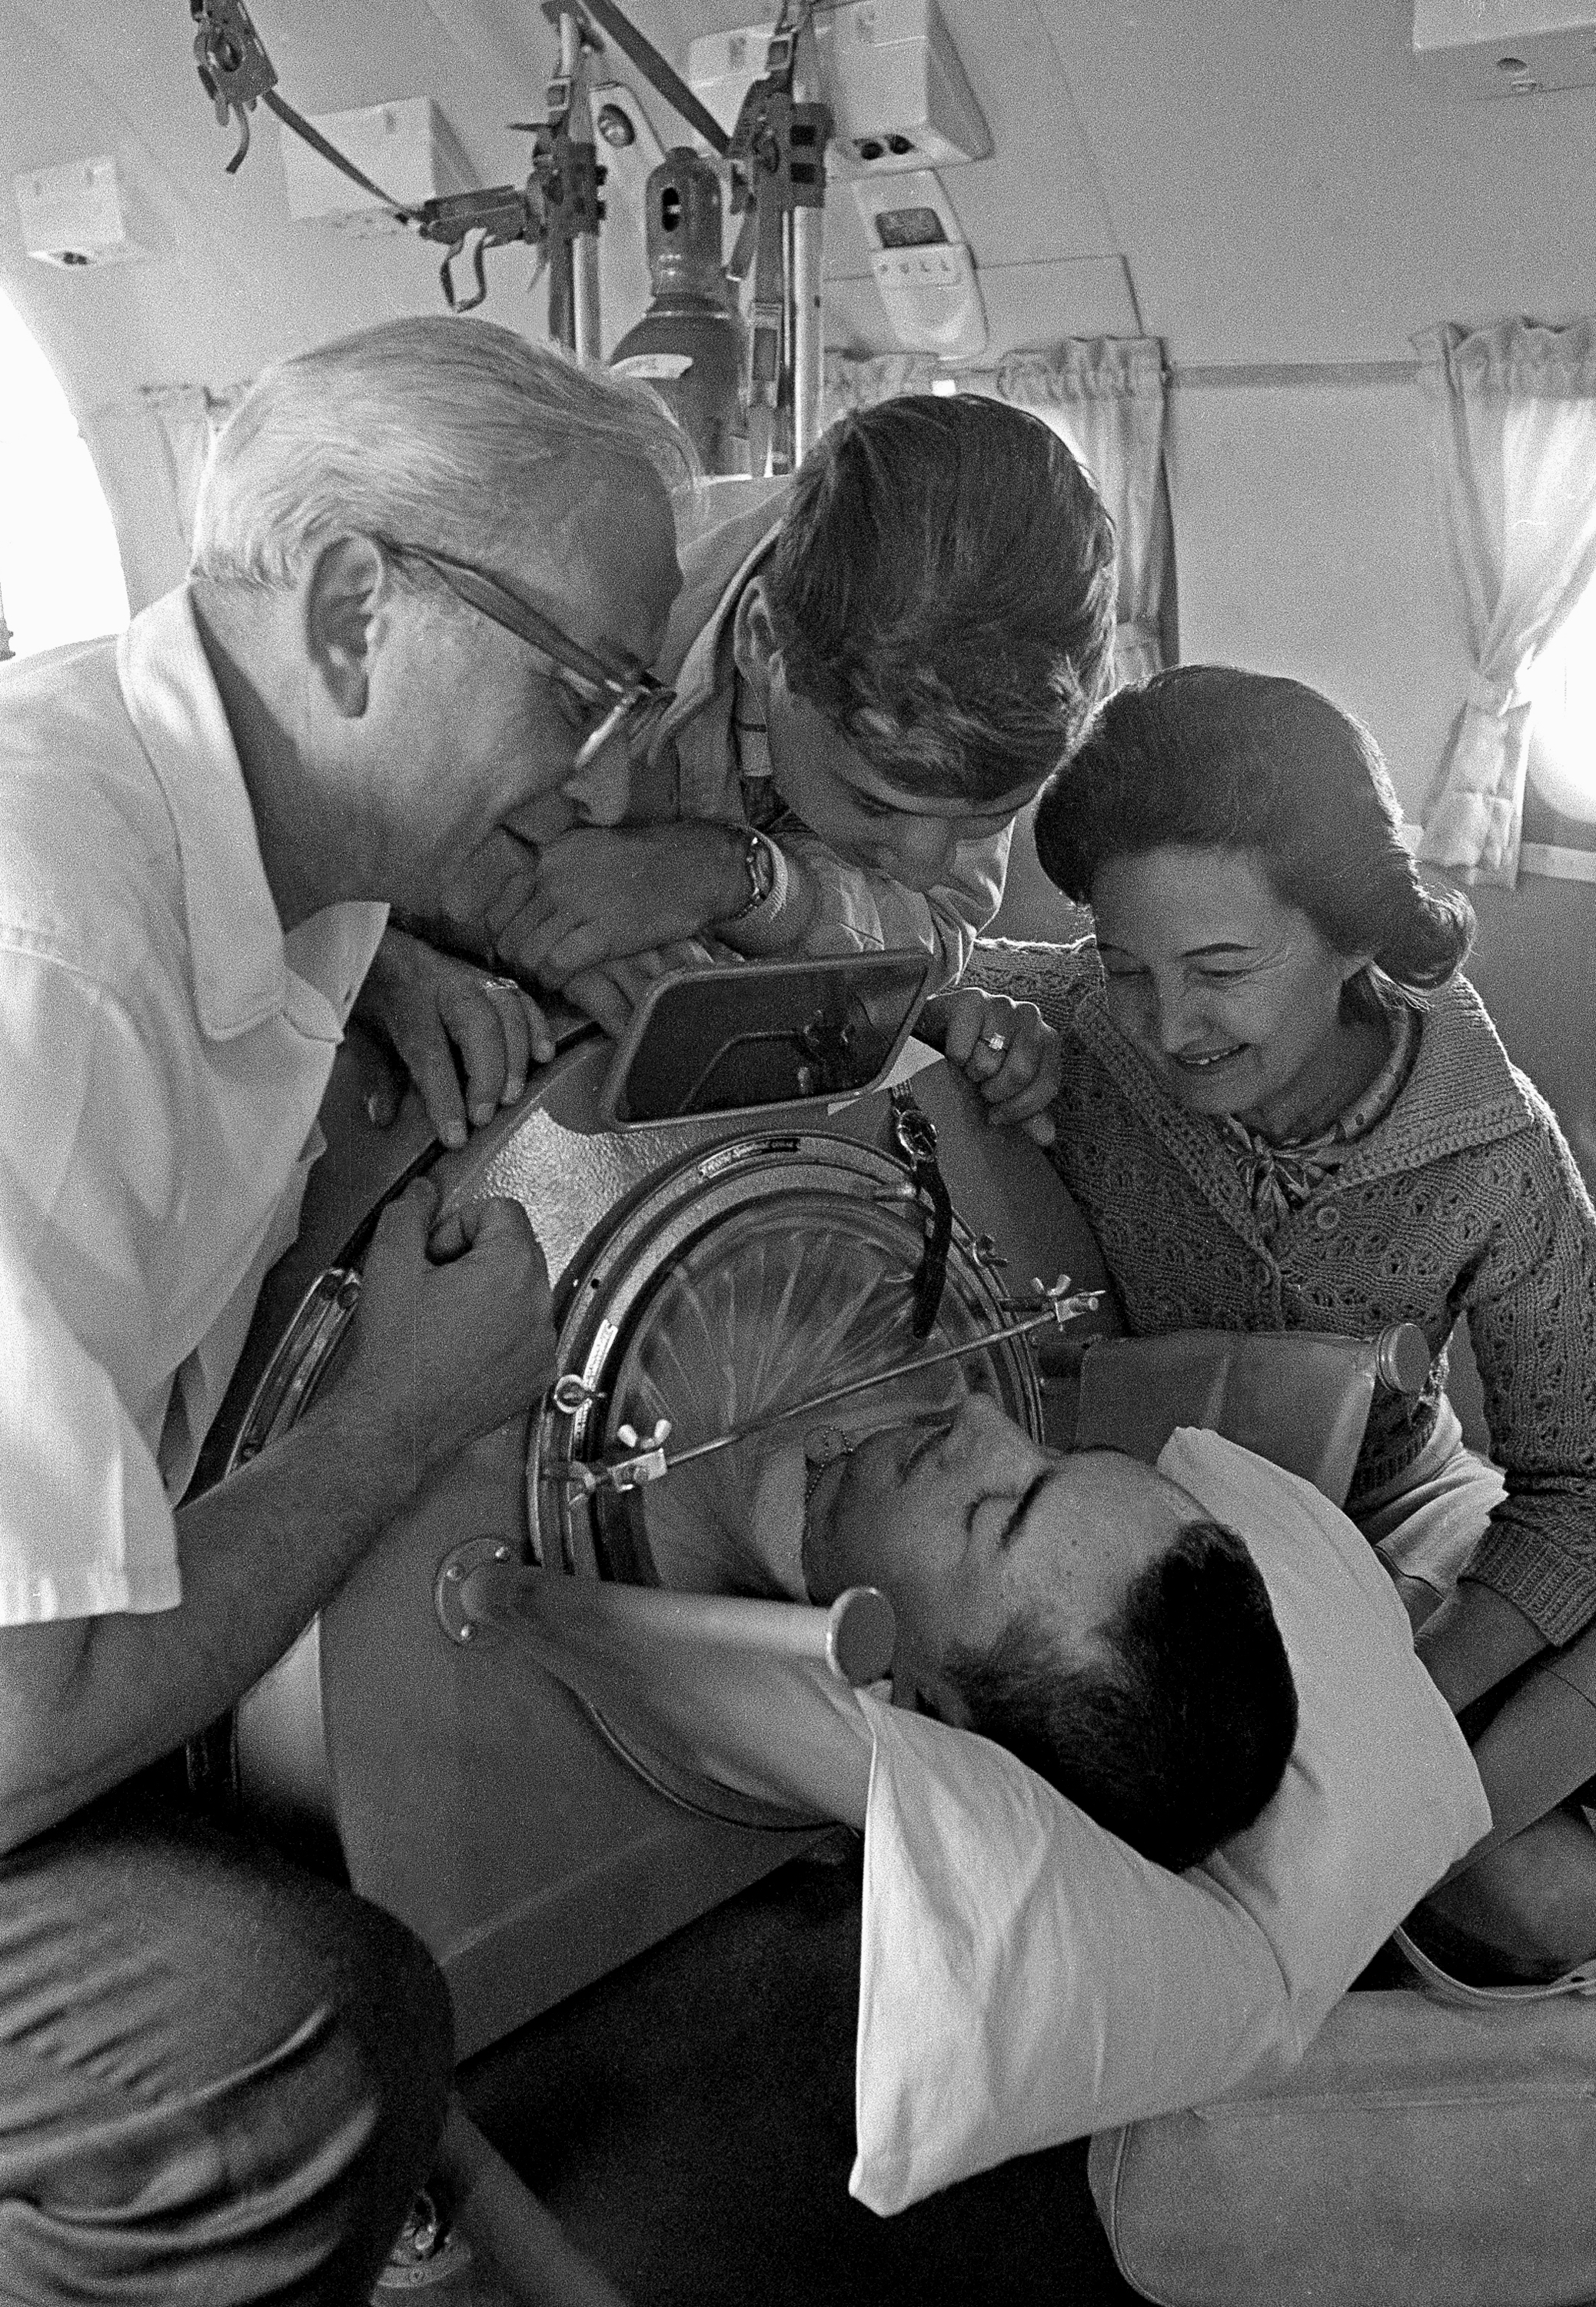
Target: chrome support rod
x,y
584,251
481,1588
647,1461
1084,1304
807,337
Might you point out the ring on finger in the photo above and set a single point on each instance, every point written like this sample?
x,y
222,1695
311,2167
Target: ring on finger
x,y
499,985
996,1043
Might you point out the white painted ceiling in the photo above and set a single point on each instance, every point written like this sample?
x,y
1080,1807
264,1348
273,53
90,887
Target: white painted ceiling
x,y
1254,181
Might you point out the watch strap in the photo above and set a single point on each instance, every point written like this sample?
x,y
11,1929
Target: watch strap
x,y
766,869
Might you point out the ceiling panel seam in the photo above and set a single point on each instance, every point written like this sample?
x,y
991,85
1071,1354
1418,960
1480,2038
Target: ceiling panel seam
x,y
1090,153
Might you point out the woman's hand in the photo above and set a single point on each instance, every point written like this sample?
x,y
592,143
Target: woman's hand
x,y
1006,1048
605,893
429,1018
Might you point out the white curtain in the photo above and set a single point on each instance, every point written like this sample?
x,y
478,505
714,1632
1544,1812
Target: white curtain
x,y
148,449
1513,435
1106,397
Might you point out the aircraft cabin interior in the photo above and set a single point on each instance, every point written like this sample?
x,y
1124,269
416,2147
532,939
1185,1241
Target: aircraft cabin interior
x,y
762,1987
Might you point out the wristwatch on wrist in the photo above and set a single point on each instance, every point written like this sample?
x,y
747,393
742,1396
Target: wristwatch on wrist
x,y
764,866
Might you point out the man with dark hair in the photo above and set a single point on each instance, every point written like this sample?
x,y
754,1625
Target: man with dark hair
x,y
1074,1605
875,668
1175,1733
1077,1607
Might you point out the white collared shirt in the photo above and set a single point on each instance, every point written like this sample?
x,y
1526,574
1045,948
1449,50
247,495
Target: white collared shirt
x,y
165,1052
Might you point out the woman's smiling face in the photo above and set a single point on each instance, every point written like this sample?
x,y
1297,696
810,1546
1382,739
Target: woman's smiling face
x,y
1231,996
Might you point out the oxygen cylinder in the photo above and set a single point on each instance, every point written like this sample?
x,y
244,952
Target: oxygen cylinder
x,y
689,343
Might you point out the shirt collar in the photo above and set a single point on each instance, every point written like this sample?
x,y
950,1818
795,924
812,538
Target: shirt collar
x,y
244,972
235,939
705,672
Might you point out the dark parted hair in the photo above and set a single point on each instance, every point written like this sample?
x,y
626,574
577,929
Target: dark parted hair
x,y
943,593
1209,757
1180,1735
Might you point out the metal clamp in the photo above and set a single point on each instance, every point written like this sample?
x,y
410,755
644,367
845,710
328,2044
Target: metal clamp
x,y
776,161
234,68
1054,1301
494,218
1054,1307
645,1461
571,1395
563,188
915,1135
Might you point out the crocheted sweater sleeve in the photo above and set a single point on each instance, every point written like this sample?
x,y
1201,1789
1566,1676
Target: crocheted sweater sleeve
x,y
1531,1305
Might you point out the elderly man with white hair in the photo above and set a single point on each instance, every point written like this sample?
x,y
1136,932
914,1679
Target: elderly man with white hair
x,y
204,2095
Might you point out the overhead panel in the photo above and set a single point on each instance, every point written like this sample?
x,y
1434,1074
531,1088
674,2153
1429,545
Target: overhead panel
x,y
898,89
1025,304
924,270
82,213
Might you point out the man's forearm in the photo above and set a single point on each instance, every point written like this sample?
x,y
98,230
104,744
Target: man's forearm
x,y
84,1702
836,908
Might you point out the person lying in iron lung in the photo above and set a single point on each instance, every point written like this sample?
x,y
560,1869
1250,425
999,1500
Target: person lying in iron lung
x,y
867,674
1076,1607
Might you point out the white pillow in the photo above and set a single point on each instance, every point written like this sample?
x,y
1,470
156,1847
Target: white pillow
x,y
1026,1978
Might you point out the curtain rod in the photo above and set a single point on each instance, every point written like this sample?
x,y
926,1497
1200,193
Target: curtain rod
x,y
1217,376
1197,377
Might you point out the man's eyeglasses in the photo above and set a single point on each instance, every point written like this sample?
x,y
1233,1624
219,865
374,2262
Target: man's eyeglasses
x,y
594,701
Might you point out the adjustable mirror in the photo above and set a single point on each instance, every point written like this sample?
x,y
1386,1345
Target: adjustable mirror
x,y
766,1033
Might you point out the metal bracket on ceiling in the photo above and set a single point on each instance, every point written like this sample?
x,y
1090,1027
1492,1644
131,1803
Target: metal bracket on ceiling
x,y
234,68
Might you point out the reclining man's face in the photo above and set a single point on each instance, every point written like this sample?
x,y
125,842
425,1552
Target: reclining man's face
x,y
963,1520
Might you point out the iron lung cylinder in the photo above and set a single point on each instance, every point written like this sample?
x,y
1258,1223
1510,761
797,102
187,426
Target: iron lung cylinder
x,y
688,345
701,1267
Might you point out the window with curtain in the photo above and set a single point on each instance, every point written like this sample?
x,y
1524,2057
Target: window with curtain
x,y
1106,397
1514,433
1559,816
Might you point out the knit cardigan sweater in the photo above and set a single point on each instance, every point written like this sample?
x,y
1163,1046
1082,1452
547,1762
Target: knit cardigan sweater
x,y
1462,1202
